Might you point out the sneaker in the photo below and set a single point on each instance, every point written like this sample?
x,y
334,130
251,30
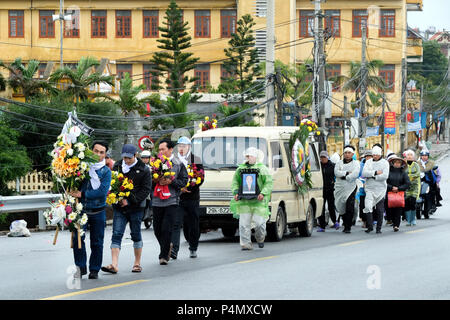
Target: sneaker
x,y
396,229
320,230
336,226
93,275
193,254
247,247
261,244
163,262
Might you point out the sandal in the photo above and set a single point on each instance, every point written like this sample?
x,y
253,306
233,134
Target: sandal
x,y
136,268
109,269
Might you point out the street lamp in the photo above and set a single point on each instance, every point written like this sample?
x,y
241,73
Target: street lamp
x,y
61,17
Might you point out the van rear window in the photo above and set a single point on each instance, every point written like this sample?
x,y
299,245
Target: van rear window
x,y
225,152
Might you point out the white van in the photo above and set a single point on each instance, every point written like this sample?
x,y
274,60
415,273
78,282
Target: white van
x,y
222,150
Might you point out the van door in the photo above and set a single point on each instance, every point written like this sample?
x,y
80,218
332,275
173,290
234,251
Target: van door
x,y
282,182
292,196
316,192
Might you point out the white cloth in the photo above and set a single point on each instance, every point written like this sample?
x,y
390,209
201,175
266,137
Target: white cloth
x,y
247,222
376,185
95,181
184,159
343,188
126,168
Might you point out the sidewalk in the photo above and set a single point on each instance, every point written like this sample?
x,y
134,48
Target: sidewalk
x,y
438,150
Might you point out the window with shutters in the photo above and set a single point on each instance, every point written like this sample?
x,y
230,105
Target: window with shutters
x,y
122,69
201,72
333,70
41,70
387,73
16,23
227,23
123,23
98,24
46,24
306,23
358,17
387,23
202,23
72,27
333,22
151,21
149,78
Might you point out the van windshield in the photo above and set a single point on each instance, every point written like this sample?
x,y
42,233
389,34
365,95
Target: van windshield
x,y
222,153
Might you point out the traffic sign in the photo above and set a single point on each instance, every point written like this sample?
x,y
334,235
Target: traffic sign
x,y
145,142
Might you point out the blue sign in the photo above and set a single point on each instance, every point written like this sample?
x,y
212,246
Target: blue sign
x,y
356,113
423,120
389,130
372,131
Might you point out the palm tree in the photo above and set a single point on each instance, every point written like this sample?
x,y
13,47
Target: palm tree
x,y
82,78
353,82
128,100
23,78
172,106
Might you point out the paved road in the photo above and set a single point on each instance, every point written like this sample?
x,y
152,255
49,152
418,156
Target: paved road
x,y
410,264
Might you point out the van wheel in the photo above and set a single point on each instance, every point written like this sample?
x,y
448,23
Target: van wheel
x,y
275,230
305,228
229,232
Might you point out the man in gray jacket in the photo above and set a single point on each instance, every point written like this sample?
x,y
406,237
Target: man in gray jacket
x,y
165,210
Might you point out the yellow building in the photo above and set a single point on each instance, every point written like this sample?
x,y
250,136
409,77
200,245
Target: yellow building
x,y
125,33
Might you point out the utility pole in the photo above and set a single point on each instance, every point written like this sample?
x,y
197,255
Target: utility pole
x,y
319,73
362,113
346,131
270,61
420,114
404,114
279,95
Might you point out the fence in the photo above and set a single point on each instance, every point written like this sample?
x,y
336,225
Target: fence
x,y
32,182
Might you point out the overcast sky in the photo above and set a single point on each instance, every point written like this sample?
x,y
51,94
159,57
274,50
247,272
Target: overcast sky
x,y
435,13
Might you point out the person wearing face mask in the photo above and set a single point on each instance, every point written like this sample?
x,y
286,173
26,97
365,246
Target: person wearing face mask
x,y
252,212
188,215
413,192
376,172
346,172
131,208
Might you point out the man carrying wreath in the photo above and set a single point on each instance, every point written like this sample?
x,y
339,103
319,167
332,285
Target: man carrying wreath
x,y
93,193
253,211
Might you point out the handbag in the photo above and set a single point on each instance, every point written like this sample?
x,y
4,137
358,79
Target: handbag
x,y
396,199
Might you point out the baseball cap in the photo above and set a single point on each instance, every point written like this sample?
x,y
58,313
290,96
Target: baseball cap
x,y
128,150
184,140
323,154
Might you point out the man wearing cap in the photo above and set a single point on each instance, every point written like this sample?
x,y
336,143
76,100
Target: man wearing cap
x,y
328,191
188,216
376,173
252,213
131,208
346,172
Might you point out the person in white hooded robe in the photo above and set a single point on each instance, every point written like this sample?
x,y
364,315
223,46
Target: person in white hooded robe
x,y
376,172
346,172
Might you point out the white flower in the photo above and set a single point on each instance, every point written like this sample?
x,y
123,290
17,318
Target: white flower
x,y
72,216
75,131
83,166
81,155
70,152
81,147
84,219
79,207
165,167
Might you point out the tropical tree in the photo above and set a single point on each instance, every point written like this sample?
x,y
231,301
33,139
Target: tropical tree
x,y
242,63
173,61
14,161
172,106
22,78
81,78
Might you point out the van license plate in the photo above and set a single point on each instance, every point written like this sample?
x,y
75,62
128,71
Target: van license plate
x,y
218,210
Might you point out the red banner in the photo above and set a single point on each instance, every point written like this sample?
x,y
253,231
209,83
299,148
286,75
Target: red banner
x,y
389,119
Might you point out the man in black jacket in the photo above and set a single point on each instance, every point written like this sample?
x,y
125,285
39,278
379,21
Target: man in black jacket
x,y
131,208
328,191
188,216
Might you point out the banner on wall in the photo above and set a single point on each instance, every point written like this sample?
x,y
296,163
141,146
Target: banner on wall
x,y
389,122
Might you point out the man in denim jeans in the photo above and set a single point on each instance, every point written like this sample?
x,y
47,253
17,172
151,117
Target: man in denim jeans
x,y
131,208
93,193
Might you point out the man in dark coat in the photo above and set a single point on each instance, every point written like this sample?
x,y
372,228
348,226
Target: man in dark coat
x,y
328,191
